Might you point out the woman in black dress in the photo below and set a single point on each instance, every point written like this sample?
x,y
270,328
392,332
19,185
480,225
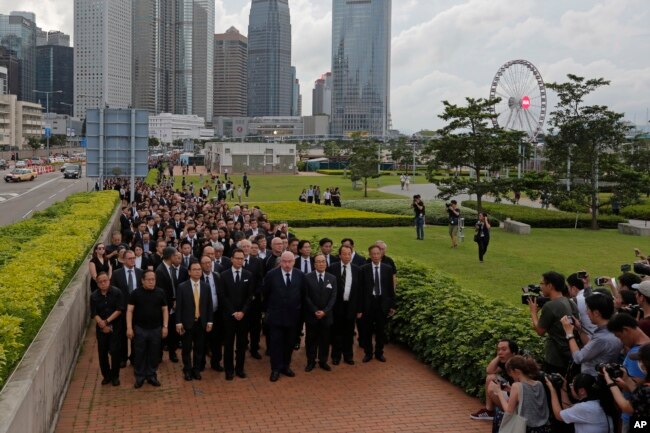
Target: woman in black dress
x,y
98,263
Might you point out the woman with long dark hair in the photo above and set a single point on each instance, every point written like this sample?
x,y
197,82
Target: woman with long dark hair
x,y
482,234
97,264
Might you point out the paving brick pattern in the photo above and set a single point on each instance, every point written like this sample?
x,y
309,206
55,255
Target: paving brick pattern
x,y
402,395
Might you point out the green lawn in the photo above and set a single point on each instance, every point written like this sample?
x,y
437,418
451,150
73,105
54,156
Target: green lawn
x,y
288,188
512,261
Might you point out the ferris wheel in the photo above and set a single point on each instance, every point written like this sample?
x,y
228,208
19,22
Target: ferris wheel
x,y
523,98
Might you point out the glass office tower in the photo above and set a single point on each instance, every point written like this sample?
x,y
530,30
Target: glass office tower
x,y
361,37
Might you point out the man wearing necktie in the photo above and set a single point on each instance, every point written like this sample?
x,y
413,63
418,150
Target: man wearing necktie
x,y
214,338
193,320
282,296
127,279
320,296
304,262
256,267
236,295
378,304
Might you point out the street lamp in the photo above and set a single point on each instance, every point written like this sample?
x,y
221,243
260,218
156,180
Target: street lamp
x,y
47,108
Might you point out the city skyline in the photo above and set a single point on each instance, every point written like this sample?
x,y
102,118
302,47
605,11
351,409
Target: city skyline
x,y
451,49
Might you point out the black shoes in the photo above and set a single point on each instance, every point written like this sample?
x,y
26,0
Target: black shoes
x,y
325,366
230,376
116,381
349,361
367,358
380,358
275,375
336,361
138,383
241,374
123,364
172,357
196,375
106,381
255,354
153,381
217,367
288,372
310,367
187,376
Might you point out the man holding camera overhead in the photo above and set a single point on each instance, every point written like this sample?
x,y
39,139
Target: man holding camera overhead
x,y
454,216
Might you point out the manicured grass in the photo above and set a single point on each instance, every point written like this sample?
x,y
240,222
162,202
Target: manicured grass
x,y
512,261
288,188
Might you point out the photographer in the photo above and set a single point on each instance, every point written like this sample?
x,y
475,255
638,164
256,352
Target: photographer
x,y
556,349
643,300
578,291
418,208
454,219
603,347
482,234
638,402
626,328
496,372
588,415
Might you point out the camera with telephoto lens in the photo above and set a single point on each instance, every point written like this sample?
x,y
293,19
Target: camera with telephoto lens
x,y
614,370
533,291
556,379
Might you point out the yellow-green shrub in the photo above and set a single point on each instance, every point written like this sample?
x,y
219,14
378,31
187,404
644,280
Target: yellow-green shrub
x,y
32,279
299,214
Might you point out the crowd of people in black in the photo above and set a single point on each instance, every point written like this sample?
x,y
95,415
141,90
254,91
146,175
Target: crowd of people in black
x,y
184,272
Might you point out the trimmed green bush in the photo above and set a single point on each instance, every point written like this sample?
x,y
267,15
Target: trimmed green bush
x,y
455,330
436,212
544,218
637,211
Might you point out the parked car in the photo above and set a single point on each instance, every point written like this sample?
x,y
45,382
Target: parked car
x,y
72,171
21,164
20,174
66,165
36,161
3,164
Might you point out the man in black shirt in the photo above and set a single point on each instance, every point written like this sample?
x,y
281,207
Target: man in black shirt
x,y
106,305
147,319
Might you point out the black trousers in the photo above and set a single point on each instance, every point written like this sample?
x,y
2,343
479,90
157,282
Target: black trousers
x,y
255,323
172,336
317,341
193,347
236,332
109,344
374,323
482,247
342,334
123,341
281,342
215,340
146,352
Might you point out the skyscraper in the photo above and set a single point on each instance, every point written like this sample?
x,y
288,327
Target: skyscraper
x,y
9,60
321,102
194,54
230,74
102,55
296,97
269,59
18,34
54,72
361,37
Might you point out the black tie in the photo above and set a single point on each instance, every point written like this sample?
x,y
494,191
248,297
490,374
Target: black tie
x,y
344,273
246,263
304,266
288,279
130,282
207,280
236,277
320,279
377,289
174,280
187,262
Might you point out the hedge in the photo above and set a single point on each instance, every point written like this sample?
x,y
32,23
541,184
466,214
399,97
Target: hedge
x,y
544,218
436,212
455,330
637,211
299,214
33,277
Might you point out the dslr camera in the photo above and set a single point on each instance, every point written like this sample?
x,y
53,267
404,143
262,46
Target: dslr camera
x,y
614,370
556,379
533,291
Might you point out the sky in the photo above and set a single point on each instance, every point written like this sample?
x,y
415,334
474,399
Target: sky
x,y
452,49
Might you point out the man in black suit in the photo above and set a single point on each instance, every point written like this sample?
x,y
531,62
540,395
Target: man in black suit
x,y
326,248
357,259
348,306
214,338
304,262
277,247
236,294
125,221
188,255
378,303
320,295
219,259
178,225
167,278
256,268
127,279
193,320
282,295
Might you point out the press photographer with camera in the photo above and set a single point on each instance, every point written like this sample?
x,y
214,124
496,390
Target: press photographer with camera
x,y
556,348
643,301
527,395
482,234
454,219
626,329
578,292
637,403
603,347
418,208
588,414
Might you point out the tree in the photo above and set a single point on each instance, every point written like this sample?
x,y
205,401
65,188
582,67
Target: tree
x,y
584,140
302,148
402,152
333,151
34,143
154,142
363,160
470,140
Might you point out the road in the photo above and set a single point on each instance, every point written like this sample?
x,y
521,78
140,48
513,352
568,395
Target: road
x,y
19,201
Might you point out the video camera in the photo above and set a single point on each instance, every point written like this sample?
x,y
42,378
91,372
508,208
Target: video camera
x,y
614,370
533,291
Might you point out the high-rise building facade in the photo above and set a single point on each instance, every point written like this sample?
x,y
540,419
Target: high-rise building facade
x,y
9,60
55,37
361,37
194,57
296,97
321,102
54,73
269,59
18,34
230,74
102,54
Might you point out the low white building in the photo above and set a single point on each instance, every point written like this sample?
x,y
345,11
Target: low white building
x,y
258,158
18,121
168,127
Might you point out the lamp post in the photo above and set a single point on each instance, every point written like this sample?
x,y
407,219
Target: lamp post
x,y
47,108
67,123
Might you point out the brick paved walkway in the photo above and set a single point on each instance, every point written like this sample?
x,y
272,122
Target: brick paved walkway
x,y
402,395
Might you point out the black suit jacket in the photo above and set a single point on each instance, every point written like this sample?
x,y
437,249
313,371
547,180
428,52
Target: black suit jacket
x,y
185,304
358,260
125,223
119,280
225,263
283,304
298,263
355,304
331,259
256,268
319,297
387,297
235,297
164,281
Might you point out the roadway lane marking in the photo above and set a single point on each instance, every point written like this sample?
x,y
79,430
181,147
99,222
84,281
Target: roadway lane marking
x,y
27,214
32,189
38,205
53,195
